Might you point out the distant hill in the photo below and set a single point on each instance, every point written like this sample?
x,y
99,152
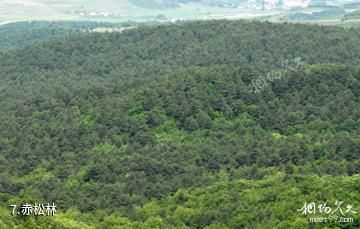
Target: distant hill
x,y
161,3
20,34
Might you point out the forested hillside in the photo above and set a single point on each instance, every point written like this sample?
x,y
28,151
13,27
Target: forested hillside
x,y
20,34
163,127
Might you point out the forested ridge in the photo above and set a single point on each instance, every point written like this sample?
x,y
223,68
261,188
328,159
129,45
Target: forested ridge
x,y
20,34
158,127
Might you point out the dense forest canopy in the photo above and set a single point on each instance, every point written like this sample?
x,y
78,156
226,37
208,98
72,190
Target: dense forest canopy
x,y
20,34
159,127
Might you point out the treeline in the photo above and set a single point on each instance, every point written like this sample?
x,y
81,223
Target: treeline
x,y
20,34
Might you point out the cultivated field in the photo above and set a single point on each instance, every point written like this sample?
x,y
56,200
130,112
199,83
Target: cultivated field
x,y
124,10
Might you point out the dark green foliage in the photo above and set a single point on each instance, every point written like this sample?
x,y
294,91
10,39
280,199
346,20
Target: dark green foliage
x,y
20,34
158,128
